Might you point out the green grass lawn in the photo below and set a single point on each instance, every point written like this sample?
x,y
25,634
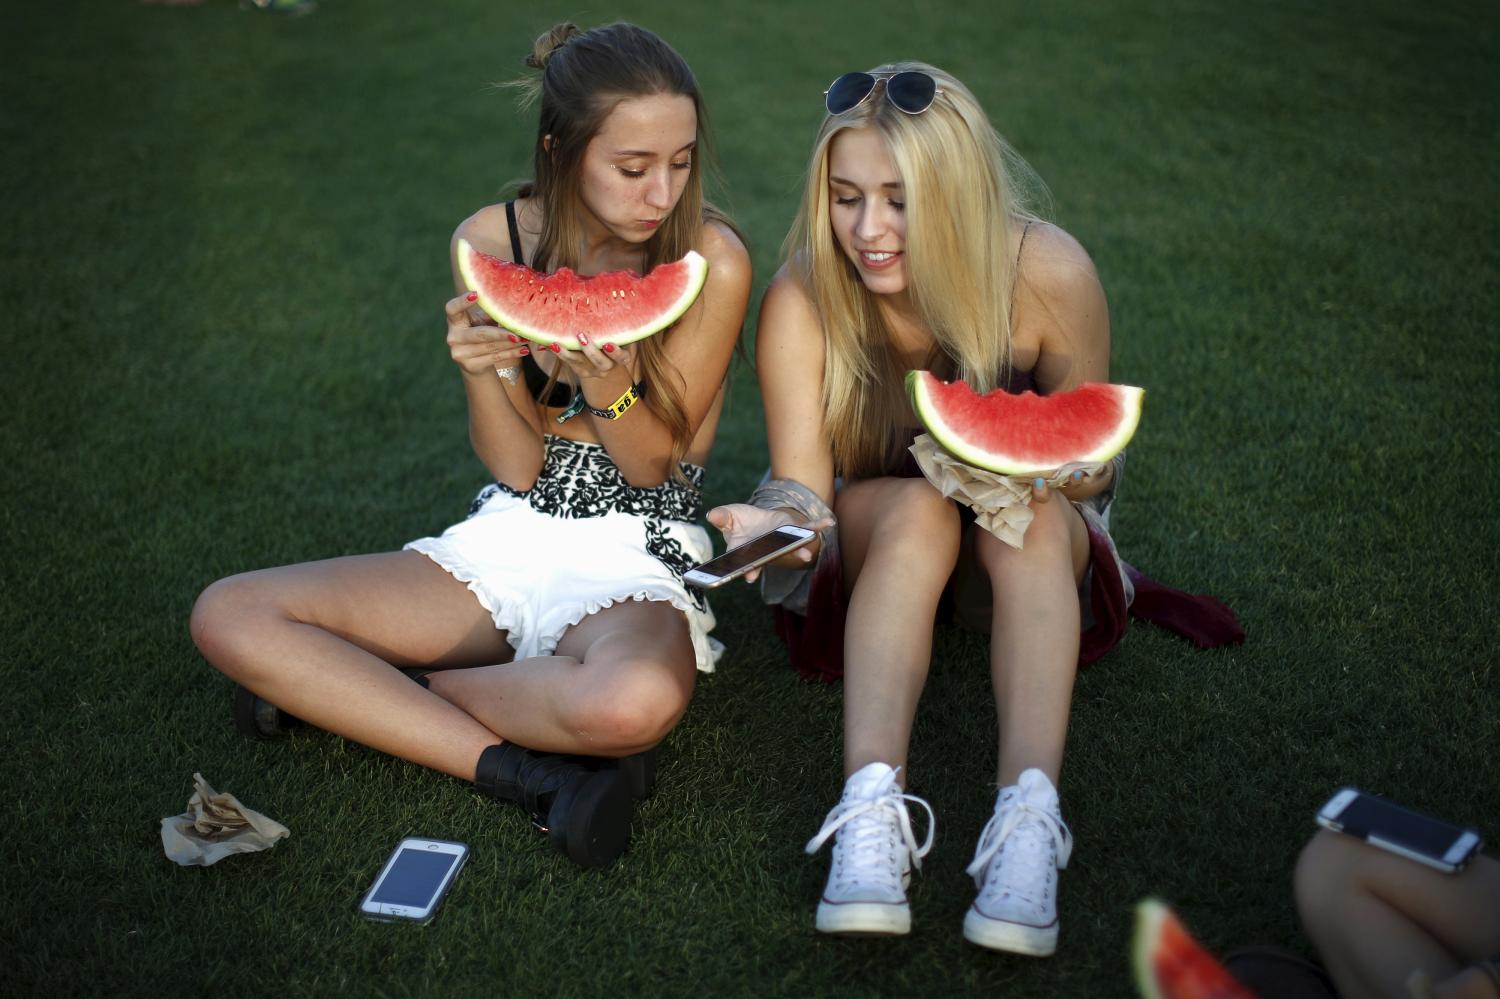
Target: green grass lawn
x,y
224,265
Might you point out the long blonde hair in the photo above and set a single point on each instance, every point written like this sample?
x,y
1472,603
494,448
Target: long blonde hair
x,y
965,191
584,76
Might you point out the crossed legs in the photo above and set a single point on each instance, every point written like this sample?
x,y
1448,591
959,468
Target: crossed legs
x,y
321,641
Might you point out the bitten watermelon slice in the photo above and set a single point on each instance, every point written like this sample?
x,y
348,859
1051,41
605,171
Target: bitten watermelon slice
x,y
1025,434
1169,963
618,307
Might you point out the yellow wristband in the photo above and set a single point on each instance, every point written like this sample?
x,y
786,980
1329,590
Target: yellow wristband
x,y
618,408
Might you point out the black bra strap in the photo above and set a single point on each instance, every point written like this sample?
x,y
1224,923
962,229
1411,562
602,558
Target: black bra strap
x,y
515,233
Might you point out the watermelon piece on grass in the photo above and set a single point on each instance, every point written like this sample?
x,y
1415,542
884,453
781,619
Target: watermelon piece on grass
x,y
618,307
1026,434
1170,964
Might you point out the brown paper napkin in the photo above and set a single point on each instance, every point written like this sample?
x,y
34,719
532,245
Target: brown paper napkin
x,y
214,826
1001,503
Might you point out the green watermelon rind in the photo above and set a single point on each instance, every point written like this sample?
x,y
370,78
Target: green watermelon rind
x,y
918,389
1155,922
697,277
1150,915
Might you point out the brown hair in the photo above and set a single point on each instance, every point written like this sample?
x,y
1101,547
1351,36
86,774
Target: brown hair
x,y
584,76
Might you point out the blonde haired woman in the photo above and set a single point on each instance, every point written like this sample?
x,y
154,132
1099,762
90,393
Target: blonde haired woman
x,y
914,248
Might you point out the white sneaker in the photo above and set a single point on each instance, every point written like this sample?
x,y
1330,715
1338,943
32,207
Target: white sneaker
x,y
873,854
1015,866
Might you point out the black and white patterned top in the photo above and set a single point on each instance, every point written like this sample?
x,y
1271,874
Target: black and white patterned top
x,y
580,480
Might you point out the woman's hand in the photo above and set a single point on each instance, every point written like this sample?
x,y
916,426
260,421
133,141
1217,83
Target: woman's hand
x,y
592,362
477,345
741,522
1074,481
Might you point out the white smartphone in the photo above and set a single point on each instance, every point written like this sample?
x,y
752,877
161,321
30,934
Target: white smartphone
x,y
414,880
1389,826
750,555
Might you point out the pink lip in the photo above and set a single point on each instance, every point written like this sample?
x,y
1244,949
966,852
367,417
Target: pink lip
x,y
649,223
879,265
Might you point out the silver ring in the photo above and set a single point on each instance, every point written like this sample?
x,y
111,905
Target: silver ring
x,y
511,374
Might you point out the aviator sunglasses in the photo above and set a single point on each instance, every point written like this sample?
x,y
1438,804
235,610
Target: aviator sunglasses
x,y
910,91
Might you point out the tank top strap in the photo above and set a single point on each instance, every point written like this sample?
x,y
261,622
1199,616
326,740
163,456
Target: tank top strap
x,y
515,234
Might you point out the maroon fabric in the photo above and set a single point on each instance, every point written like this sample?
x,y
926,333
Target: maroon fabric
x,y
1205,621
815,643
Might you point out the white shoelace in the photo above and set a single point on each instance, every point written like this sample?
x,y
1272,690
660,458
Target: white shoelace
x,y
864,842
1005,822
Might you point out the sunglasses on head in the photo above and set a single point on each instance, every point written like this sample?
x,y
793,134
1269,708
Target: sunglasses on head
x,y
909,90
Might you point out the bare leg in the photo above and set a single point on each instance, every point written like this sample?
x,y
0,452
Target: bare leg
x,y
320,640
1376,917
899,539
620,680
1034,635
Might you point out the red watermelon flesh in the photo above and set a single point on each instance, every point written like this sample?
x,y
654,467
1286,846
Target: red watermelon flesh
x,y
618,307
1026,433
1170,964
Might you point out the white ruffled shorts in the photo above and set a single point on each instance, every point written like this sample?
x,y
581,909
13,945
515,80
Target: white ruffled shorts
x,y
540,571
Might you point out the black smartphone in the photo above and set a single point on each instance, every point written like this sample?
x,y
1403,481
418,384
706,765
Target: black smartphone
x,y
742,558
414,880
1402,831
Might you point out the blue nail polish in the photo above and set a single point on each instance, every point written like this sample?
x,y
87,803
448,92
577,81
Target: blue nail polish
x,y
1038,483
1078,475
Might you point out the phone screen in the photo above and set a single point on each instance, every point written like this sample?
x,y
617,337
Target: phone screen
x,y
1368,815
751,552
414,878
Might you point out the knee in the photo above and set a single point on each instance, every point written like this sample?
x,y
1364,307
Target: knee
x,y
1324,880
223,619
633,710
915,516
1048,541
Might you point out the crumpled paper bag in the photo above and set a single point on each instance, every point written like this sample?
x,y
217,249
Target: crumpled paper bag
x,y
214,826
1001,503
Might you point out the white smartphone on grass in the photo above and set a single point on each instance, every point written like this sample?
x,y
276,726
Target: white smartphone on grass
x,y
751,555
1389,826
414,880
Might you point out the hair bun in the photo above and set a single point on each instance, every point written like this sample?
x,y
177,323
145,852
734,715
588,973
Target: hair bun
x,y
549,42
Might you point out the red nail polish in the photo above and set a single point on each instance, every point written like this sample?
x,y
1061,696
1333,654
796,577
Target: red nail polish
x,y
609,348
583,339
472,296
513,338
557,348
525,351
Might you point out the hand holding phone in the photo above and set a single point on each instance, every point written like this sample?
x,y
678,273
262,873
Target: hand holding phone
x,y
414,880
1387,825
753,554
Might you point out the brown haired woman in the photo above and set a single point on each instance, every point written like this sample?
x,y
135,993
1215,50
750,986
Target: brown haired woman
x,y
554,617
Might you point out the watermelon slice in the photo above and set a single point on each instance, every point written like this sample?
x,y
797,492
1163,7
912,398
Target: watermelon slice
x,y
1025,434
1170,964
618,307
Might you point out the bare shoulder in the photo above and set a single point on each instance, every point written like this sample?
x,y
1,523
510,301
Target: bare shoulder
x,y
725,252
788,315
1055,266
487,231
1060,308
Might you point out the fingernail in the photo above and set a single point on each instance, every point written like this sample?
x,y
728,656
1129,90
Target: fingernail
x,y
525,351
512,338
1038,483
583,339
609,348
1078,475
557,348
472,296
